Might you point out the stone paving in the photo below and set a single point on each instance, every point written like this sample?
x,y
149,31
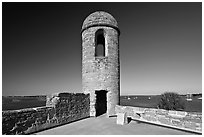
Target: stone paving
x,y
107,126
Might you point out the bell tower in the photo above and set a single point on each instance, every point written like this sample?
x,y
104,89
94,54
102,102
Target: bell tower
x,y
101,62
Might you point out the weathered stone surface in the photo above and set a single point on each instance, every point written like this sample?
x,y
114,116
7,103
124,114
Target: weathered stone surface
x,y
99,18
179,114
19,121
122,118
164,120
52,99
162,112
101,73
68,107
176,122
183,120
138,110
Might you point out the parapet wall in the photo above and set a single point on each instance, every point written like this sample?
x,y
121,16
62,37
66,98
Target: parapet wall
x,y
61,108
189,121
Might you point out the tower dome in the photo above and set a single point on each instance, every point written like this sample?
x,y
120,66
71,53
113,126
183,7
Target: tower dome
x,y
99,18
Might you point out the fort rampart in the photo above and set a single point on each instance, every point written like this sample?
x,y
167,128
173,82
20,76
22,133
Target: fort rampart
x,y
188,121
61,108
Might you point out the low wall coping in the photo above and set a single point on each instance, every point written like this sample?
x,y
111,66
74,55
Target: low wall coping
x,y
26,109
174,116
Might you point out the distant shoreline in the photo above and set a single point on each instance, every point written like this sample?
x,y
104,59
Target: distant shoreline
x,y
148,101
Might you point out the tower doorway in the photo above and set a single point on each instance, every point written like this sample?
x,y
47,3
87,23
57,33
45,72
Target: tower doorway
x,y
101,102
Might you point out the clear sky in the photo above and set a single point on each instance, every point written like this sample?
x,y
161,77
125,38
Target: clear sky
x,y
160,46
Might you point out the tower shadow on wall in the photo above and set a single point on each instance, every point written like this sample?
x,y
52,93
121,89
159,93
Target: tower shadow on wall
x,y
101,102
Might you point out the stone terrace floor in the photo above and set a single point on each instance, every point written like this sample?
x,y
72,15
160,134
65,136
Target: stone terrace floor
x,y
107,126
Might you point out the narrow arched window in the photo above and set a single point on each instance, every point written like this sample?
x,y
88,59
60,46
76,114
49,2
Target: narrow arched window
x,y
99,43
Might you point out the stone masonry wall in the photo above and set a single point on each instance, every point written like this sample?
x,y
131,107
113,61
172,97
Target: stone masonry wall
x,y
61,108
101,73
189,121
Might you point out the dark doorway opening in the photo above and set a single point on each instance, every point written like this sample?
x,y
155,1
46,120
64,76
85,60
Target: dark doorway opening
x,y
101,102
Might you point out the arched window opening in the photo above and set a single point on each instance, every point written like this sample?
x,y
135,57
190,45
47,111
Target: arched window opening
x,y
100,44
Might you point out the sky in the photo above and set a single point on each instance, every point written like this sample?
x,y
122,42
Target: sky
x,y
160,47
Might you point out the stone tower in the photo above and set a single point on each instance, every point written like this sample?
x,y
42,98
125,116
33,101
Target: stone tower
x,y
100,62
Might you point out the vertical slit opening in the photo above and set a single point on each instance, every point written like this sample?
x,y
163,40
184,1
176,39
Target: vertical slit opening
x,y
99,43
